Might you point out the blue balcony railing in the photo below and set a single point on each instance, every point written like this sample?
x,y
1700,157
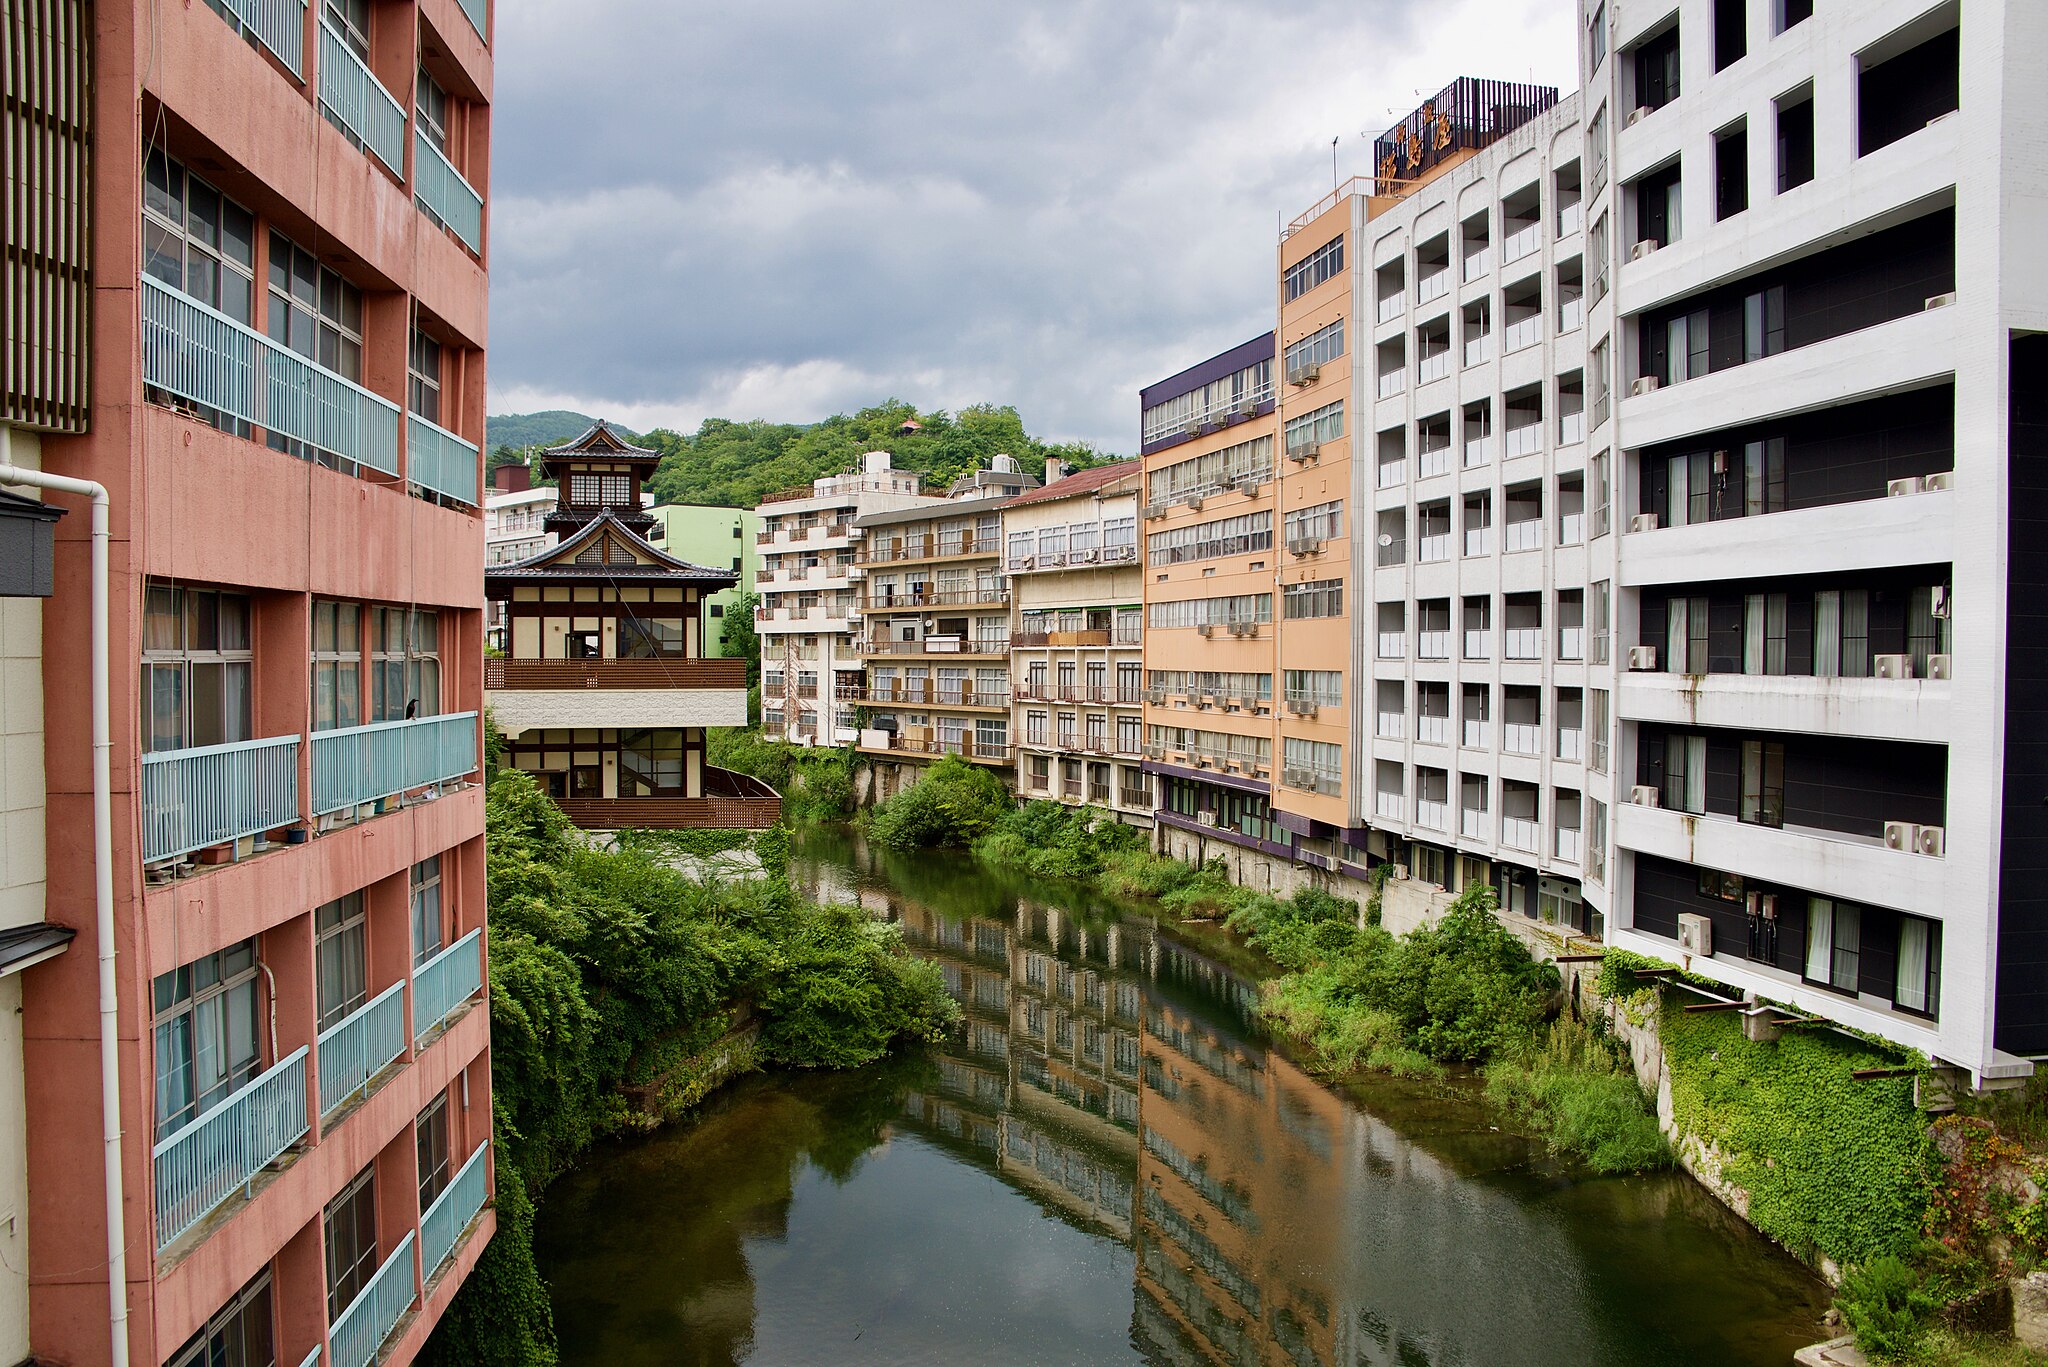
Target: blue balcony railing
x,y
451,1213
213,794
360,1046
358,101
475,10
279,25
359,764
445,982
443,192
437,459
221,1152
312,1358
207,357
374,1313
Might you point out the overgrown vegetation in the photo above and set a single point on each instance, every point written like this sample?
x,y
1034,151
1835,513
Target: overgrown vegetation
x,y
953,805
608,967
816,783
1576,1086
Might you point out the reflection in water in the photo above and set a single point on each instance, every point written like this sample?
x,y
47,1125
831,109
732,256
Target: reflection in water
x,y
1114,1164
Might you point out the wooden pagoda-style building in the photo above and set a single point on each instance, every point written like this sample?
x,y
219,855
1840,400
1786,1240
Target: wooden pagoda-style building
x,y
604,694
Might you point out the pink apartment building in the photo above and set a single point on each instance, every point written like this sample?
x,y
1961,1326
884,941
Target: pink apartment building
x,y
261,243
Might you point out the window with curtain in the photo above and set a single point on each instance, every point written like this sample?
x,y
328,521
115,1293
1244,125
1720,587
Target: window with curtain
x,y
1763,633
1763,783
1685,772
337,666
350,1228
205,1029
405,663
1685,650
430,1141
1841,634
340,958
1918,987
1926,633
427,937
238,1336
1834,941
196,668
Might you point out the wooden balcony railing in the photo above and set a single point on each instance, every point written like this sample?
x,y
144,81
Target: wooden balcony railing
x,y
663,673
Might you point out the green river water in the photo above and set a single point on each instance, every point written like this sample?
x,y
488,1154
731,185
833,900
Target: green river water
x,y
1115,1164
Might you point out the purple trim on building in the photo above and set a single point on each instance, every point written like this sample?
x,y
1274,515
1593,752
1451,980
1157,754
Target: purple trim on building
x,y
1300,825
1215,368
1356,836
1225,834
1168,443
1210,776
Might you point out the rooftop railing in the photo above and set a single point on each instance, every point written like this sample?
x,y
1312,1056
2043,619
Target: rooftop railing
x,y
362,1328
205,356
361,1045
439,460
359,764
453,1209
221,1152
445,982
214,794
444,192
359,102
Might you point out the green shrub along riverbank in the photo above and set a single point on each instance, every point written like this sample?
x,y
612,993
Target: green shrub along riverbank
x,y
608,970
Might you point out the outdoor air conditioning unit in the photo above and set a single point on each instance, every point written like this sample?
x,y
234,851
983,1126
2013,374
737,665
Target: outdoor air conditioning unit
x,y
1087,557
1204,701
1939,301
1201,761
1645,795
1156,696
1195,503
1901,835
1892,666
1695,935
1307,375
1230,766
1643,522
1644,249
1249,487
1935,483
1899,488
1642,659
1297,778
1305,545
1247,408
1154,511
1638,114
1938,667
1645,385
1303,709
1763,906
1244,628
1932,840
1029,562
1207,628
1230,705
1206,818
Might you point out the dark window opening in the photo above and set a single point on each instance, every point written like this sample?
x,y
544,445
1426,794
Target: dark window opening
x,y
1657,70
1795,142
1731,172
1731,33
1905,93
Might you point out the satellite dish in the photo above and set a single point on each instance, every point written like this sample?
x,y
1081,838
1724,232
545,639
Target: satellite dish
x,y
1386,539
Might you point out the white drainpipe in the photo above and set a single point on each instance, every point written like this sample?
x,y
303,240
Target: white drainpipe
x,y
103,884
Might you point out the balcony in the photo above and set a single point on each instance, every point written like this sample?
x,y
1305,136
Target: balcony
x,y
217,794
1391,645
1522,534
205,356
990,597
1429,814
442,191
1522,334
1522,643
928,548
623,674
220,1153
1392,382
1525,440
1860,535
1472,823
967,747
1571,745
1433,285
439,460
443,983
933,645
1389,307
1522,241
1389,725
362,764
1521,738
1388,806
1433,730
442,1225
358,101
1826,862
1891,709
361,1329
732,802
1478,349
1521,833
1567,846
1431,645
357,1048
279,25
1433,367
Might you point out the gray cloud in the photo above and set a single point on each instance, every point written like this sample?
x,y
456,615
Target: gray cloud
x,y
783,208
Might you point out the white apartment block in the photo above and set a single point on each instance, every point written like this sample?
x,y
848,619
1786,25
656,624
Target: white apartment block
x,y
811,666
1077,666
1823,331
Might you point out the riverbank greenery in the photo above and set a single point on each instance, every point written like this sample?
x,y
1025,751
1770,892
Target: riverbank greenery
x,y
953,805
607,967
816,783
1574,1084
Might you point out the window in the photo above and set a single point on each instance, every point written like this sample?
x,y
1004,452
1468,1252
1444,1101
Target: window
x,y
1318,598
1918,987
1841,634
197,240
600,490
340,955
423,378
238,1336
1763,323
1194,612
1790,12
427,935
196,668
1685,635
1763,783
1311,430
1683,759
1211,472
1596,247
1834,941
1322,687
313,310
1660,214
1597,614
1731,33
1596,37
1324,263
350,1227
405,664
205,1018
1245,534
1319,347
1795,139
1763,633
430,1140
1597,725
1657,70
1731,171
1240,393
337,665
350,19
1314,765
1322,522
430,102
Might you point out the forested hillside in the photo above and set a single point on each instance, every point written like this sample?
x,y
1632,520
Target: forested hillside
x,y
551,428
734,463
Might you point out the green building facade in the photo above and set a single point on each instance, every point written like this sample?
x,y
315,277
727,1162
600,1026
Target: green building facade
x,y
723,538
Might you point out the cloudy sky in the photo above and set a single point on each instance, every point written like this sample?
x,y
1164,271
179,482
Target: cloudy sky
x,y
790,208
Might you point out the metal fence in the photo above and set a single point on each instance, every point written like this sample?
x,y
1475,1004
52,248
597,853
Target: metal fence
x,y
358,764
213,794
446,981
205,356
279,25
221,1152
437,459
357,1048
475,10
354,96
376,1310
445,193
451,1213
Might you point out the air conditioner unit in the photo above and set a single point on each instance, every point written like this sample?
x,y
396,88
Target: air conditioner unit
x,y
1644,249
1307,375
1638,114
1156,696
1029,562
1298,778
1303,709
1154,511
1204,702
1939,301
1939,667
1196,504
1400,874
1899,488
1230,766
1305,545
1646,384
1932,840
1901,835
1642,659
1935,483
1250,488
1206,818
1207,628
1892,666
1247,408
1643,522
1302,455
1695,935
1085,557
1645,795
1201,761
1763,905
1230,705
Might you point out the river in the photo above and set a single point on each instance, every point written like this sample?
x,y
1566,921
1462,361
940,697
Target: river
x,y
1115,1164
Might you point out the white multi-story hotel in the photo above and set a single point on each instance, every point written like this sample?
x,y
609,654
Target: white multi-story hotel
x,y
1823,336
806,618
